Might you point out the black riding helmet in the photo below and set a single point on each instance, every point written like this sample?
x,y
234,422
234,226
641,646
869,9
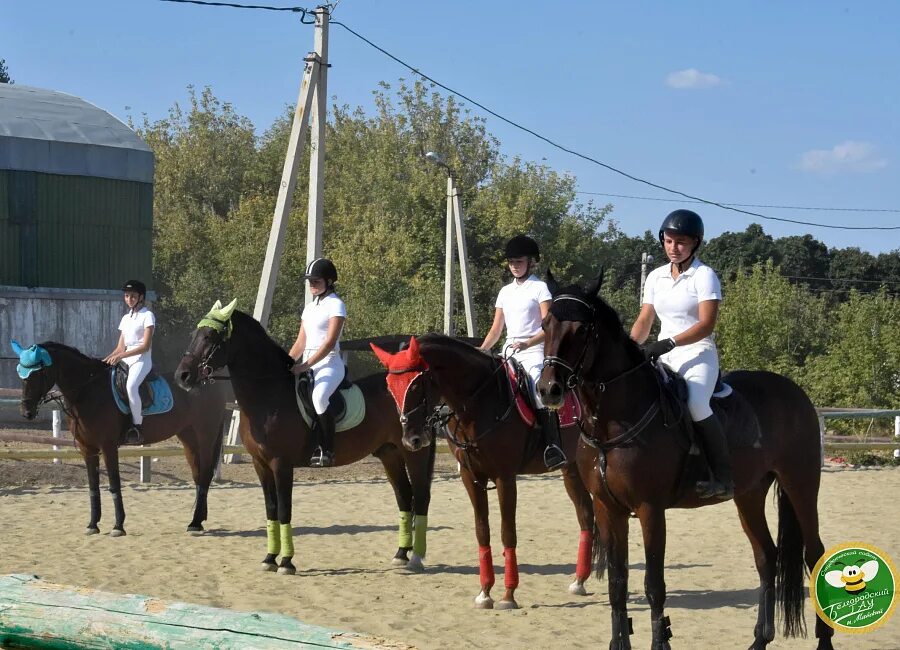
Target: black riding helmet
x,y
683,222
135,285
523,246
321,268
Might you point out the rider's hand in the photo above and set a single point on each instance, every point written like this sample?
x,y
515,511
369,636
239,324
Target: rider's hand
x,y
112,359
655,350
519,345
299,368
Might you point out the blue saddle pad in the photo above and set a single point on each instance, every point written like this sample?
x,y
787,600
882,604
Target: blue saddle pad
x,y
163,401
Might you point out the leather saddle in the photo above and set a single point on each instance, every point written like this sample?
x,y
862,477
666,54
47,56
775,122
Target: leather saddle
x,y
337,405
522,383
145,390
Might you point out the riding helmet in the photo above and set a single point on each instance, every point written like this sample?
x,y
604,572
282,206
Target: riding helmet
x,y
683,222
523,246
321,268
137,286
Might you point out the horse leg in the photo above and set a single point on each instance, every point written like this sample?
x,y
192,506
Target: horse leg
x,y
798,509
392,461
653,528
581,498
507,494
283,470
478,497
420,469
92,463
111,460
203,465
751,507
273,539
613,533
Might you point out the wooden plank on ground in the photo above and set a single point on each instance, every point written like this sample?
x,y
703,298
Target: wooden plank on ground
x,y
39,614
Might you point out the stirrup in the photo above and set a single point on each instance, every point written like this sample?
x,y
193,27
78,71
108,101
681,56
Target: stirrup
x,y
133,436
554,457
715,489
321,458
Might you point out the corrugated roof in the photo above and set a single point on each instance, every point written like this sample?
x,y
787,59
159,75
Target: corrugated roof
x,y
53,132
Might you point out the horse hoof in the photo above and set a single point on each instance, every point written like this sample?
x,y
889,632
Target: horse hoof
x,y
399,561
268,566
117,532
507,604
415,564
483,601
577,589
91,530
286,570
195,530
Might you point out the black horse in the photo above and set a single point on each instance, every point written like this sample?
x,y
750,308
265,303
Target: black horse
x,y
636,460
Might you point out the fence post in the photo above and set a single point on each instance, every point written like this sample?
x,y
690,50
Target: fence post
x,y
897,434
57,426
822,437
145,465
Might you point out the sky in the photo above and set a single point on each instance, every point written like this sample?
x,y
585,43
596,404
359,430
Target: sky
x,y
739,102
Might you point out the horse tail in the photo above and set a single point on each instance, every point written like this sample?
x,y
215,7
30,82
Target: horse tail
x,y
790,569
599,551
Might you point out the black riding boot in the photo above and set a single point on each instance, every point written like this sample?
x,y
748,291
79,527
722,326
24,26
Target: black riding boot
x,y
323,456
554,456
721,486
133,435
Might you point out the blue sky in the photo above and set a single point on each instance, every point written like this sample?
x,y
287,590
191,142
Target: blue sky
x,y
741,102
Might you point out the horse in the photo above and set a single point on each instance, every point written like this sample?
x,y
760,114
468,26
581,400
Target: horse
x,y
278,438
97,424
636,456
490,439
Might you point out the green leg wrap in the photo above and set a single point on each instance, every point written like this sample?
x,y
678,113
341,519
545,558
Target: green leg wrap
x,y
420,530
405,538
287,541
273,544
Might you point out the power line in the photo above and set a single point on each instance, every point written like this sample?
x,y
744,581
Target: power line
x,y
235,5
609,167
804,277
745,205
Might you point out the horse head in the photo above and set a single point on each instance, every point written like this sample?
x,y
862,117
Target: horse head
x,y
581,331
408,383
207,350
38,376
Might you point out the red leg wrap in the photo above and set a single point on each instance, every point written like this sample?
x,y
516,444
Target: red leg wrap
x,y
583,568
486,567
511,570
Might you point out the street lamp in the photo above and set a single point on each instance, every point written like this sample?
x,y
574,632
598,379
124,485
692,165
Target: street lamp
x,y
454,216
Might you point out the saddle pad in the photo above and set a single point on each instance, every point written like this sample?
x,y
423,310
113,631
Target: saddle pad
x,y
569,413
163,400
353,414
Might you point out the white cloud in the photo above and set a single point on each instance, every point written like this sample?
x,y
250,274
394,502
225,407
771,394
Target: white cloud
x,y
692,78
848,156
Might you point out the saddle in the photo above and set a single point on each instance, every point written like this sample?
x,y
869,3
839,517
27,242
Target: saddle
x,y
522,388
346,404
145,390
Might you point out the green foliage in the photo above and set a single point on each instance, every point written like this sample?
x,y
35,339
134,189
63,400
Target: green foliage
x,y
4,73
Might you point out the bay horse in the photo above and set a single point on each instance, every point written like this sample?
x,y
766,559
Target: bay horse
x,y
97,425
278,439
490,439
635,461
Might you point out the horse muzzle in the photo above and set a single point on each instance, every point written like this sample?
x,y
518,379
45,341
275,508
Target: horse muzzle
x,y
551,392
28,412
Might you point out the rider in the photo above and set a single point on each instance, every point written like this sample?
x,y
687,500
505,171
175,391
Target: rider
x,y
521,306
134,348
685,294
317,348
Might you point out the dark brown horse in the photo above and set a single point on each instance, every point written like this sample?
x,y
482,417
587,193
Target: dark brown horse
x,y
97,425
278,439
634,458
490,439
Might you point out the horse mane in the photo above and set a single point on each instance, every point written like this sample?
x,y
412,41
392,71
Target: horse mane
x,y
52,346
264,347
604,315
457,347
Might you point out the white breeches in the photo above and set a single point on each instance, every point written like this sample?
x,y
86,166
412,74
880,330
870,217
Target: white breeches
x,y
700,368
327,376
137,372
532,361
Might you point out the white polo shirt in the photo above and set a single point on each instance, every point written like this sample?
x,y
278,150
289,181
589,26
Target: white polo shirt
x,y
521,305
132,327
677,302
315,319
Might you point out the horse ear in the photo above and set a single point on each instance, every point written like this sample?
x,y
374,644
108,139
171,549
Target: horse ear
x,y
217,306
228,309
18,349
413,347
552,284
594,287
383,355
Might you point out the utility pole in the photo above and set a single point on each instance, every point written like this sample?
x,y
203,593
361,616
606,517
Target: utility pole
x,y
646,259
449,329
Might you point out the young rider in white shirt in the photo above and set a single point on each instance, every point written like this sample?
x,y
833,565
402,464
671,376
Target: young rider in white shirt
x,y
134,348
317,348
521,307
685,294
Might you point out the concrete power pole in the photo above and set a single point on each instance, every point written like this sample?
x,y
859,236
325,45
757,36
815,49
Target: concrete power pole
x,y
646,259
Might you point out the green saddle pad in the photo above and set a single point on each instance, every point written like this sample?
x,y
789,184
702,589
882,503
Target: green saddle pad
x,y
354,412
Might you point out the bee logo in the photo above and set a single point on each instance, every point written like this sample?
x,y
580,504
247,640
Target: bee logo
x,y
852,577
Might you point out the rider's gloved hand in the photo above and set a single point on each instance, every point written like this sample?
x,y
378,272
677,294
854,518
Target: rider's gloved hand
x,y
655,350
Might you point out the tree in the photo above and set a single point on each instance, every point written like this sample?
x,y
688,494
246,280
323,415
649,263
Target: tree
x,y
733,252
4,73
